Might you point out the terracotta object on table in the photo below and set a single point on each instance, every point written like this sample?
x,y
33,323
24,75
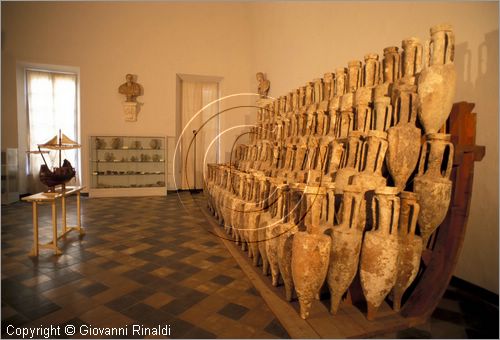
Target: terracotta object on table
x,y
432,184
379,253
437,82
310,253
404,138
410,247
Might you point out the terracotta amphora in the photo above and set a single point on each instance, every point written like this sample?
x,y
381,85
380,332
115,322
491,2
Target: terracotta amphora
x,y
291,217
382,114
362,108
372,160
241,213
235,204
346,121
346,246
412,59
219,194
301,98
227,195
436,83
270,203
335,153
309,95
340,81
432,184
273,231
353,75
371,70
391,64
351,159
208,186
264,200
253,214
379,253
310,253
410,247
370,175
404,138
328,88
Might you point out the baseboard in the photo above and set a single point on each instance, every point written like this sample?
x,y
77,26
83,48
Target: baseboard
x,y
476,290
195,191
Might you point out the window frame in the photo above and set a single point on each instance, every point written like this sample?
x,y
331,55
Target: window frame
x,y
23,114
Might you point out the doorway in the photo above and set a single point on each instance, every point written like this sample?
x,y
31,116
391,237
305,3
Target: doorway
x,y
198,130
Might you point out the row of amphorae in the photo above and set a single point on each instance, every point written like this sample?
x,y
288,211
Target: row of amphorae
x,y
338,178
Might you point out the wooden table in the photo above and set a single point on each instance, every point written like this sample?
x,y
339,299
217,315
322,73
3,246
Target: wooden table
x,y
52,198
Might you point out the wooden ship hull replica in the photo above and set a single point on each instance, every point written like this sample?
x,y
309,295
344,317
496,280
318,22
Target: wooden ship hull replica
x,y
65,172
343,192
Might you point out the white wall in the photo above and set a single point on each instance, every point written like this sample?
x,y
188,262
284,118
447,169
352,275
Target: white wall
x,y
292,42
155,41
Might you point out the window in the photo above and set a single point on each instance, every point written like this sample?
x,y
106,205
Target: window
x,y
51,106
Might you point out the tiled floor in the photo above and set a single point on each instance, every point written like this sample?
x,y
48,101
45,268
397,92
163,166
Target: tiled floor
x,y
153,261
142,261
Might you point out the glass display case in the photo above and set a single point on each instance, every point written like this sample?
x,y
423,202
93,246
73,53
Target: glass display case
x,y
127,165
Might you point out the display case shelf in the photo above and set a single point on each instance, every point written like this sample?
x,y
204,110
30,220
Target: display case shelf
x,y
127,166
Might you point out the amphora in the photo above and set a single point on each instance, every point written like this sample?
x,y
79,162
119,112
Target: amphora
x,y
379,253
291,218
351,158
273,231
346,246
436,83
410,246
310,253
432,183
404,138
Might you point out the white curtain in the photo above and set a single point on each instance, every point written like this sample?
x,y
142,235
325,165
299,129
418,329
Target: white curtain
x,y
195,95
52,105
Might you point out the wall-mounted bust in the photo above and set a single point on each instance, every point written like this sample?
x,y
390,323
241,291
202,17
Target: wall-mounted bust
x,y
130,89
264,85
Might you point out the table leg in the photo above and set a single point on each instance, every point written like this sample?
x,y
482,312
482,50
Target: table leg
x,y
63,204
34,251
54,227
79,214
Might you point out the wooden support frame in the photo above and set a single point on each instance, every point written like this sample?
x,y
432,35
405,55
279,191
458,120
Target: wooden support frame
x,y
440,262
52,198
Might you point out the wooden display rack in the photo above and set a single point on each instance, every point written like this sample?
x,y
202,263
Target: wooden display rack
x,y
437,267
